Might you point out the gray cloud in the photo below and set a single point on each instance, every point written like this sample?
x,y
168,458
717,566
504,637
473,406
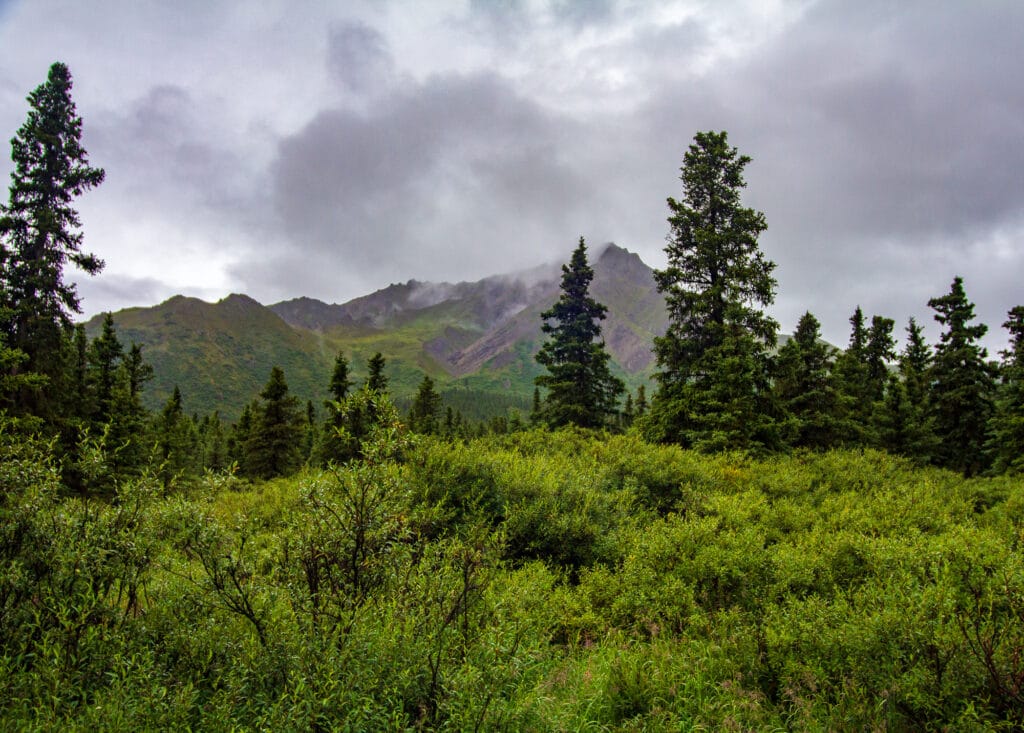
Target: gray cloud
x,y
329,155
359,58
455,177
886,151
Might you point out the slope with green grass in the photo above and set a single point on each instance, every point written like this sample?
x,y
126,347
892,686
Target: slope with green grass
x,y
477,340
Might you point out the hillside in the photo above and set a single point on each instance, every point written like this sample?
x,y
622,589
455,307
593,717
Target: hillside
x,y
477,339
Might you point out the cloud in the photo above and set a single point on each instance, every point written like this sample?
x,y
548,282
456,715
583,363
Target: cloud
x,y
327,153
457,177
358,57
885,145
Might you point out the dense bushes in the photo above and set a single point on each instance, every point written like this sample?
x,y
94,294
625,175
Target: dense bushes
x,y
535,581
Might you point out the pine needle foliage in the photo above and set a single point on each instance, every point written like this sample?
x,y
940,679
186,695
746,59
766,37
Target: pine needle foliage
x,y
581,389
39,228
962,384
713,359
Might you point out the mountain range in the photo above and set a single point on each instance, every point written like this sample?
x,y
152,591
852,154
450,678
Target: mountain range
x,y
477,339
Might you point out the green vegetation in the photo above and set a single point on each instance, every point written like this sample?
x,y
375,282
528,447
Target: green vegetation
x,y
541,581
713,359
39,235
364,571
580,387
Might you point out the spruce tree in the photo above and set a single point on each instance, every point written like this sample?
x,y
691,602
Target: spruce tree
x,y
628,413
804,389
240,436
39,230
853,385
215,446
78,403
426,408
879,352
376,380
274,443
329,446
914,364
713,359
310,435
177,442
903,423
340,382
581,389
1006,434
961,385
449,422
105,355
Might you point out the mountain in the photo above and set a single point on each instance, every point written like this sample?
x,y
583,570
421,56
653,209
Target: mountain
x,y
476,339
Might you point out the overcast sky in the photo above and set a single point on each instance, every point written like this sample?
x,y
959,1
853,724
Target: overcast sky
x,y
328,149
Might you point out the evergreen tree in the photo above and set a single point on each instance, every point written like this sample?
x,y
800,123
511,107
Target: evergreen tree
x,y
1006,435
310,434
426,408
581,389
879,352
273,448
853,386
713,359
804,388
449,422
536,416
177,441
78,401
39,229
240,437
328,446
127,425
903,423
376,380
641,401
915,363
215,445
340,382
960,396
105,355
628,413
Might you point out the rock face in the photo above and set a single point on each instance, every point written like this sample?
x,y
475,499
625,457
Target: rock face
x,y
483,323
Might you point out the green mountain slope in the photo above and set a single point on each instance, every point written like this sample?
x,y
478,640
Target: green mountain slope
x,y
476,339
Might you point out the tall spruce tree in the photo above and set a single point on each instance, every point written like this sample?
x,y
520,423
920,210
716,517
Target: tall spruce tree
x,y
376,379
340,382
961,385
330,446
1006,434
852,383
641,401
104,360
581,389
713,381
177,442
276,437
39,229
903,423
426,408
879,352
804,389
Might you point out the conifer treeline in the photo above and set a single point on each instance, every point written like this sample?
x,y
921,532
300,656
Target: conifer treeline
x,y
721,384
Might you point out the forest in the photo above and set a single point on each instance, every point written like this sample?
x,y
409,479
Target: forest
x,y
778,537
